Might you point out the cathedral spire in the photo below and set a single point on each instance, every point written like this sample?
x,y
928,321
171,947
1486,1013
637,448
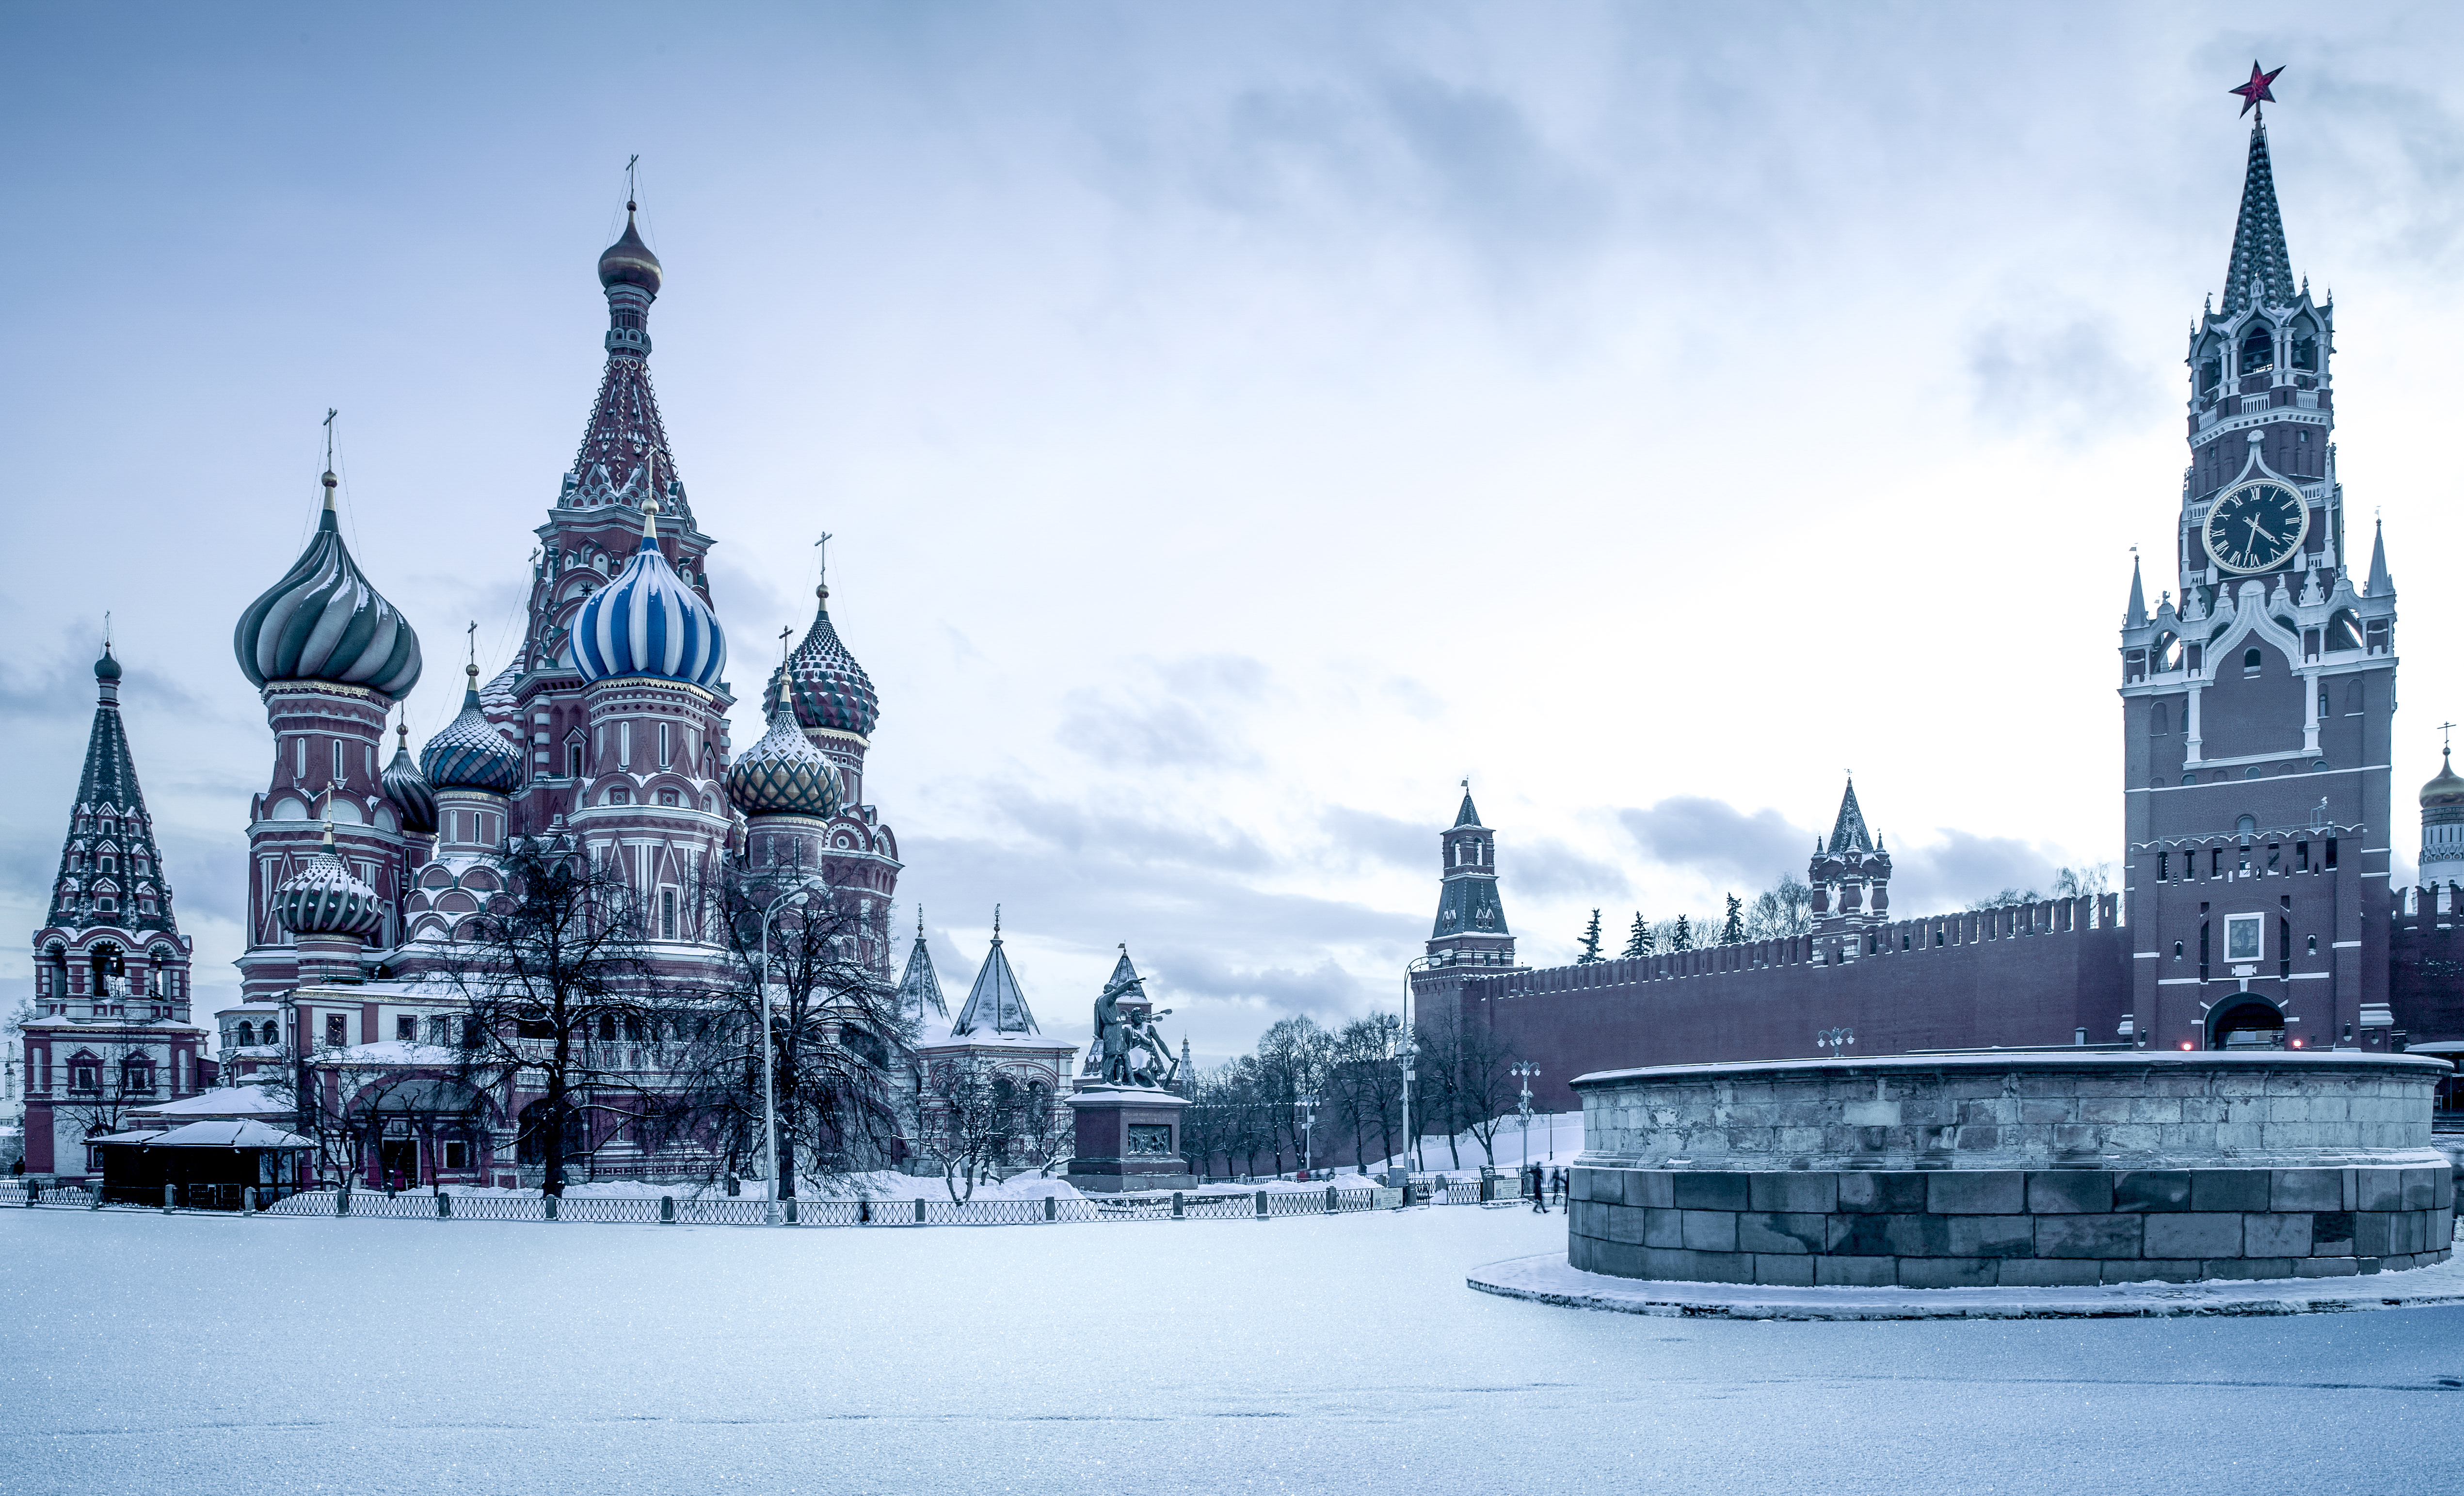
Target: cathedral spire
x,y
2258,253
624,458
110,869
2137,613
2380,583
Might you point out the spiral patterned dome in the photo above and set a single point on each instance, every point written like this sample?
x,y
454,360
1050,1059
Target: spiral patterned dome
x,y
325,897
648,621
469,753
831,689
628,261
413,797
783,774
323,621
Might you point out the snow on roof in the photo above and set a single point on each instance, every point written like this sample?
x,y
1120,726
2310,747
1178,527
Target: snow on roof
x,y
214,1134
995,1006
223,1101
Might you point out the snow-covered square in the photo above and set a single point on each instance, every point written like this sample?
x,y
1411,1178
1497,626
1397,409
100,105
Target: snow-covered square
x,y
1339,1353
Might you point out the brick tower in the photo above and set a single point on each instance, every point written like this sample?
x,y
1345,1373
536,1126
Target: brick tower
x,y
2256,710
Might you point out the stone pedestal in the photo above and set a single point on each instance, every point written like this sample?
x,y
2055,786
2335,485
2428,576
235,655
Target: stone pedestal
x,y
1128,1138
2035,1170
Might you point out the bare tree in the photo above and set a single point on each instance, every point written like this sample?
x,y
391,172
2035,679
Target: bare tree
x,y
559,996
1369,1080
839,1036
971,1113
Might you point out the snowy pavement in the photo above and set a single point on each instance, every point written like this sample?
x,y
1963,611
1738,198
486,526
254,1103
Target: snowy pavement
x,y
1306,1353
1547,1278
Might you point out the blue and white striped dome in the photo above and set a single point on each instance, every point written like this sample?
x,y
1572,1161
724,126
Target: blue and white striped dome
x,y
647,621
469,753
323,621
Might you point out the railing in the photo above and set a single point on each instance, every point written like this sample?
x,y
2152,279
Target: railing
x,y
701,1210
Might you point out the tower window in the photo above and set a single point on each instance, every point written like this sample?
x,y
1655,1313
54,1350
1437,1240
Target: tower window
x,y
2211,373
2258,349
2305,351
668,757
2251,661
667,914
2160,721
2163,867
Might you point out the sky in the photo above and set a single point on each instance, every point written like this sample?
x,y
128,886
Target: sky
x,y
1239,424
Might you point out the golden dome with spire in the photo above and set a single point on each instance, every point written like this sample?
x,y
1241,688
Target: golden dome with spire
x,y
628,261
2447,789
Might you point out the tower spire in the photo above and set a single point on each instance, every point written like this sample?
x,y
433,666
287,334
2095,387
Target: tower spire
x,y
2137,613
2259,252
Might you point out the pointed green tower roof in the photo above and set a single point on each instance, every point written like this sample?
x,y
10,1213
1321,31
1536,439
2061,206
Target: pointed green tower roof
x,y
2258,251
920,986
994,1004
1848,833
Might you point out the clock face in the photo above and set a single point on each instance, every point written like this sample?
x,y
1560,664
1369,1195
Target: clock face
x,y
2256,526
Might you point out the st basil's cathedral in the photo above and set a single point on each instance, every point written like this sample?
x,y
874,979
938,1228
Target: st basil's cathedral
x,y
607,734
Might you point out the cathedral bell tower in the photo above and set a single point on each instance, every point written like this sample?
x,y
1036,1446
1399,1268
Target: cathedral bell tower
x,y
2257,709
1850,876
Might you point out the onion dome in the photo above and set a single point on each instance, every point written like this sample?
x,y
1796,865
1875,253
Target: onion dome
x,y
2447,789
413,797
106,668
831,689
325,899
628,261
783,775
323,621
470,752
647,621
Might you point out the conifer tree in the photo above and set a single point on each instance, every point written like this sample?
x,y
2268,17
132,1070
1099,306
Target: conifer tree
x,y
1638,942
1734,928
1590,942
1683,939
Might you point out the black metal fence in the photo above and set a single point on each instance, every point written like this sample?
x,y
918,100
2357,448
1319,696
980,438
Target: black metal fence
x,y
1211,1204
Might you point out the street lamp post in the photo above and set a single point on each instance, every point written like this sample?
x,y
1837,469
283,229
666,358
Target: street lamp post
x,y
1835,1039
1527,1072
769,1059
1307,1106
1410,1052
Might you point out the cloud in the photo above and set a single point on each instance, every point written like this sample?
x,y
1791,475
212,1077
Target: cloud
x,y
2057,376
1180,715
1717,842
1958,868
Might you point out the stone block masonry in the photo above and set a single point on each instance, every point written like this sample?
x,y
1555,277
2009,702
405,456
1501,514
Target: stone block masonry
x,y
2044,1241
2096,1169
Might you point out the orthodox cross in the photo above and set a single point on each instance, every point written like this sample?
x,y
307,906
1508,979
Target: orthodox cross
x,y
632,161
823,545
330,414
474,632
2255,92
2445,732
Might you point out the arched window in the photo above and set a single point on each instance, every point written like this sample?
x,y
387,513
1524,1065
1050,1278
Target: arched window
x,y
2353,699
2305,346
2252,659
2211,374
2258,348
2245,828
2160,721
2344,631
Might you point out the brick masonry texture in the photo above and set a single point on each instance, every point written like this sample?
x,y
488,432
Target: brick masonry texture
x,y
2007,1228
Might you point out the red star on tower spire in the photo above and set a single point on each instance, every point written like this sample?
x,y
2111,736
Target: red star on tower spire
x,y
2255,92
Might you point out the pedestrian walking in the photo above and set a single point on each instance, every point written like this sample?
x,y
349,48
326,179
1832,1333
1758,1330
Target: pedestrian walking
x,y
1539,1194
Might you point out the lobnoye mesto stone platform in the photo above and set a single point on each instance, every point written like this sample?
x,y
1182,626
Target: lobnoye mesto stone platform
x,y
2032,1168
